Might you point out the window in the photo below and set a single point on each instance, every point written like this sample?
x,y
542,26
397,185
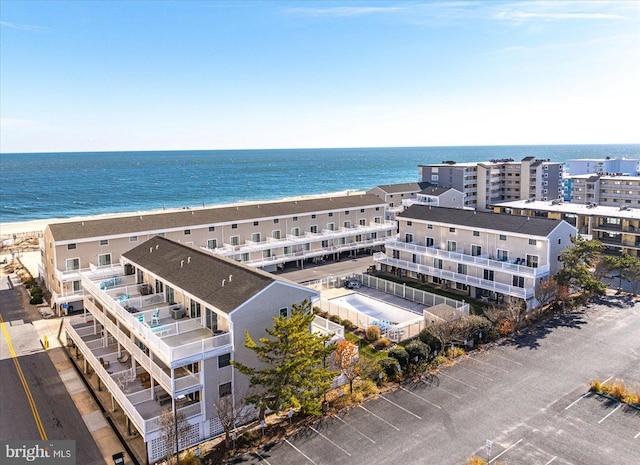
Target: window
x,y
362,210
104,242
396,254
275,234
347,224
476,233
295,218
503,255
377,220
346,212
283,312
452,246
476,250
408,238
363,222
452,230
212,244
234,240
377,209
224,389
212,319
161,234
313,229
71,246
325,244
234,226
409,223
224,360
73,264
212,228
429,226
533,242
133,238
266,253
255,237
429,241
503,237
77,286
331,226
244,257
518,281
330,214
437,263
532,261
462,269
295,231
488,275
187,232
104,260
559,241
276,221
194,309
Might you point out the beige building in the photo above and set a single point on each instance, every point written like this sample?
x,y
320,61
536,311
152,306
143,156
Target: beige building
x,y
485,183
262,235
394,194
483,255
605,190
160,331
617,227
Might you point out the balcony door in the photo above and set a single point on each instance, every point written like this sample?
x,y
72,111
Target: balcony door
x,y
212,319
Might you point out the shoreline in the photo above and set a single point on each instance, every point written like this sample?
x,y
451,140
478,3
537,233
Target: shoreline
x,y
34,228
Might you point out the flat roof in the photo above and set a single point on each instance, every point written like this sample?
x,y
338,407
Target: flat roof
x,y
572,208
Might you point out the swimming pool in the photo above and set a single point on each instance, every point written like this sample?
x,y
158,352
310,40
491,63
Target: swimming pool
x,y
377,309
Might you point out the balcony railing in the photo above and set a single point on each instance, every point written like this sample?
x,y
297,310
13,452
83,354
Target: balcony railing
x,y
508,267
523,293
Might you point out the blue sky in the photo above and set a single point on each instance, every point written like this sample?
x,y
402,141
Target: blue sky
x,y
170,75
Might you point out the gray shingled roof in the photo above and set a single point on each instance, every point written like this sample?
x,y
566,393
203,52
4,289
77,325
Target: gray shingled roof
x,y
529,225
435,190
404,187
204,216
200,273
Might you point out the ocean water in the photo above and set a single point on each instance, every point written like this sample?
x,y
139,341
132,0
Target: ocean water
x,y
64,185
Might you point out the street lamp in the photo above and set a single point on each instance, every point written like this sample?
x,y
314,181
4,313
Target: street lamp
x,y
179,398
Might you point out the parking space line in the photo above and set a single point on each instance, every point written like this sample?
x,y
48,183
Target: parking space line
x,y
318,432
438,387
506,450
578,400
636,436
401,407
607,415
419,397
488,364
552,459
508,359
379,418
262,459
461,382
608,379
356,430
475,372
301,453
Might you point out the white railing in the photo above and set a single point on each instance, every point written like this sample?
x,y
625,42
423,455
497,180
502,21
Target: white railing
x,y
327,327
69,275
461,257
523,293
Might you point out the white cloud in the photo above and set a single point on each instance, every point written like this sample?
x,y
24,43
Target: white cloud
x,y
523,15
23,27
16,123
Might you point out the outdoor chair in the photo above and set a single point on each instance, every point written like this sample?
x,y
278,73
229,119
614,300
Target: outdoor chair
x,y
155,318
105,364
141,318
124,358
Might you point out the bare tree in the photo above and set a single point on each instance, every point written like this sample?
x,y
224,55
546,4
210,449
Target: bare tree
x,y
443,331
168,423
346,358
546,291
232,414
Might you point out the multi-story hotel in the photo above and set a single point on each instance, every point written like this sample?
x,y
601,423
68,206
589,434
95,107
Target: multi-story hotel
x,y
603,189
484,255
485,183
263,235
617,227
161,328
400,196
625,166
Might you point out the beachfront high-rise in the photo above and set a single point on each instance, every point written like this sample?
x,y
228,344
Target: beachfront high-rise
x,y
267,235
485,183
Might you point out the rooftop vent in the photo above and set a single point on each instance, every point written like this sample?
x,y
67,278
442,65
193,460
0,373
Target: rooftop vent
x,y
150,249
188,259
181,263
230,276
223,282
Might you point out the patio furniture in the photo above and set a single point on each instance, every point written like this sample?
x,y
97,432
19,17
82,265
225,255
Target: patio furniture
x,y
105,364
124,358
141,318
155,318
123,297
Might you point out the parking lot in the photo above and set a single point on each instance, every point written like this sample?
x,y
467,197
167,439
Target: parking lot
x,y
527,396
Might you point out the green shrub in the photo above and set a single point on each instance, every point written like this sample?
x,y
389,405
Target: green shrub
x,y
401,355
30,283
439,360
335,319
348,325
382,343
455,352
389,367
419,349
36,291
36,300
373,333
428,338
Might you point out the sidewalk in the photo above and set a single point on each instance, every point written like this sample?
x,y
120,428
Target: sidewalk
x,y
107,441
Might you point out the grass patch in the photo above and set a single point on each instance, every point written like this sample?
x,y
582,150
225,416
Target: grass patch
x,y
365,349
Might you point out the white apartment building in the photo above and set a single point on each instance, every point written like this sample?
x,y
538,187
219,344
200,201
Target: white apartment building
x,y
624,166
394,194
160,330
262,235
604,189
484,255
485,183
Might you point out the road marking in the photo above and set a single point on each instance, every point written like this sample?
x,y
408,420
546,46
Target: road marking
x,y
552,459
313,429
401,407
262,459
488,364
25,385
301,453
578,400
508,359
607,415
636,436
419,397
461,382
475,372
506,450
379,418
608,379
356,429
429,384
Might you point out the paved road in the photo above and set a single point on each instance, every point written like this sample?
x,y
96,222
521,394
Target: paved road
x,y
59,418
331,268
526,395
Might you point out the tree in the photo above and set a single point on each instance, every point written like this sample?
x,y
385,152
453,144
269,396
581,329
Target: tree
x,y
546,291
168,422
346,358
293,370
578,266
444,331
625,264
231,414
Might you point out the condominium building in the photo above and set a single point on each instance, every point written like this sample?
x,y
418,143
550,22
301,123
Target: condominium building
x,y
625,166
394,194
485,183
617,227
263,235
162,327
604,189
484,255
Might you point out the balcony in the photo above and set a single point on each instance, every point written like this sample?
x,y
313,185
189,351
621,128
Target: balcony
x,y
133,388
480,261
172,341
523,293
323,326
